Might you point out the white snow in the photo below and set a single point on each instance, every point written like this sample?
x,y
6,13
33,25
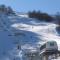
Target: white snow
x,y
26,32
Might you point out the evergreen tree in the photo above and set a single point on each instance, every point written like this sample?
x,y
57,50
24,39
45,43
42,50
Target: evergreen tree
x,y
40,16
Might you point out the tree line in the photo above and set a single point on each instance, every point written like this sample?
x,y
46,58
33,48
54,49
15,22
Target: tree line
x,y
7,10
40,16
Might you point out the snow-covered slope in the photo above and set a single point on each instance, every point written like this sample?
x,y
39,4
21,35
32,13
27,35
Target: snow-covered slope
x,y
24,31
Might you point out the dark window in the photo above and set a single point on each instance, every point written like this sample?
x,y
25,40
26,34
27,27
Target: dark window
x,y
51,44
43,46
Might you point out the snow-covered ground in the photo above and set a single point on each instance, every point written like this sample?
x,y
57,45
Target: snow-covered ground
x,y
27,32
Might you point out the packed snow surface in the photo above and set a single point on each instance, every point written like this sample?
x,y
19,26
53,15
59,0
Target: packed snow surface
x,y
25,32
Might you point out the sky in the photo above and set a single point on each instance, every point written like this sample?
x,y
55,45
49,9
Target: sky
x,y
48,6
